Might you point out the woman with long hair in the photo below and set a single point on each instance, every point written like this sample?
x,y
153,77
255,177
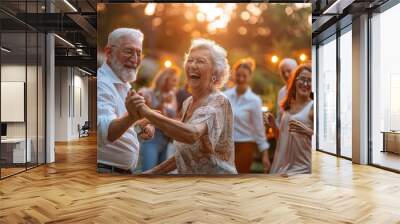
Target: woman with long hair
x,y
161,97
293,150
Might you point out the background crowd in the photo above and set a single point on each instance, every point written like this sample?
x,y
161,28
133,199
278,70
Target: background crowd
x,y
257,37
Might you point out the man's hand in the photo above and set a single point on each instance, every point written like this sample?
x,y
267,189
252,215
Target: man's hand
x,y
131,107
137,103
266,162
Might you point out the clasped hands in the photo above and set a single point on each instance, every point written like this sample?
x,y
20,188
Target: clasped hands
x,y
137,109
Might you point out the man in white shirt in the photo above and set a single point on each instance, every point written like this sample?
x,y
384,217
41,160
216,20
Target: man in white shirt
x,y
286,66
117,141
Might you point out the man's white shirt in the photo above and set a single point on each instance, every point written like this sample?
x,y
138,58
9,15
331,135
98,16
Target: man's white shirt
x,y
111,93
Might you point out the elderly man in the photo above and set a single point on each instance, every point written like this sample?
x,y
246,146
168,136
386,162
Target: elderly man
x,y
286,66
117,142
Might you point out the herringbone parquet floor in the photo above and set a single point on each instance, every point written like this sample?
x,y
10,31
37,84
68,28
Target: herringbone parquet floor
x,y
70,191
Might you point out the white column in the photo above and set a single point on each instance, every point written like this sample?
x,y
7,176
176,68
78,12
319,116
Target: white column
x,y
360,90
50,92
50,100
314,89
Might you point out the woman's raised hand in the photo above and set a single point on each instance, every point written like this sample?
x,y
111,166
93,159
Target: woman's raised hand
x,y
297,126
147,127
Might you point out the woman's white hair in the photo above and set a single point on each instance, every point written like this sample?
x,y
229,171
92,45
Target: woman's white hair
x,y
115,36
218,58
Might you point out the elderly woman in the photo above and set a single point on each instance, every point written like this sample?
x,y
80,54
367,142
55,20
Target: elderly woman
x,y
203,138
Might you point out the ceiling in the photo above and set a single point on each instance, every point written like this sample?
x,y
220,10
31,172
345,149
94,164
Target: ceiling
x,y
75,21
72,20
330,15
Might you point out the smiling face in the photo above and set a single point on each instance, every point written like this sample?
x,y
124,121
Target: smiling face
x,y
125,57
242,77
199,69
303,83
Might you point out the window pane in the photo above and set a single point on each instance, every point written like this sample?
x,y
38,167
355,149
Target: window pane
x,y
385,84
346,94
327,97
41,99
31,97
15,151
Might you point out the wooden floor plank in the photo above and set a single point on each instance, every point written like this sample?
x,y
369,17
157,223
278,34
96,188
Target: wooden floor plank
x,y
71,191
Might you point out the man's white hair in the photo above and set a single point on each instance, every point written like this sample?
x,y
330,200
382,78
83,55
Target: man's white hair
x,y
288,61
218,58
115,36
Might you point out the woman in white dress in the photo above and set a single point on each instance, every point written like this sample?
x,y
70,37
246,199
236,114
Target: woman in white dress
x,y
293,150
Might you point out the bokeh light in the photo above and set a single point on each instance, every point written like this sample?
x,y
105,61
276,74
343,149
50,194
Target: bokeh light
x,y
289,10
167,63
150,9
242,30
217,15
200,17
274,59
303,57
156,21
245,15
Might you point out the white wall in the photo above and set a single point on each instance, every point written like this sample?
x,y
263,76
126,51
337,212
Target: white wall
x,y
61,104
16,73
71,93
34,125
81,100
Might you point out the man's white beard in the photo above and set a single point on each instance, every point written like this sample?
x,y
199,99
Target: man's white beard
x,y
125,74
